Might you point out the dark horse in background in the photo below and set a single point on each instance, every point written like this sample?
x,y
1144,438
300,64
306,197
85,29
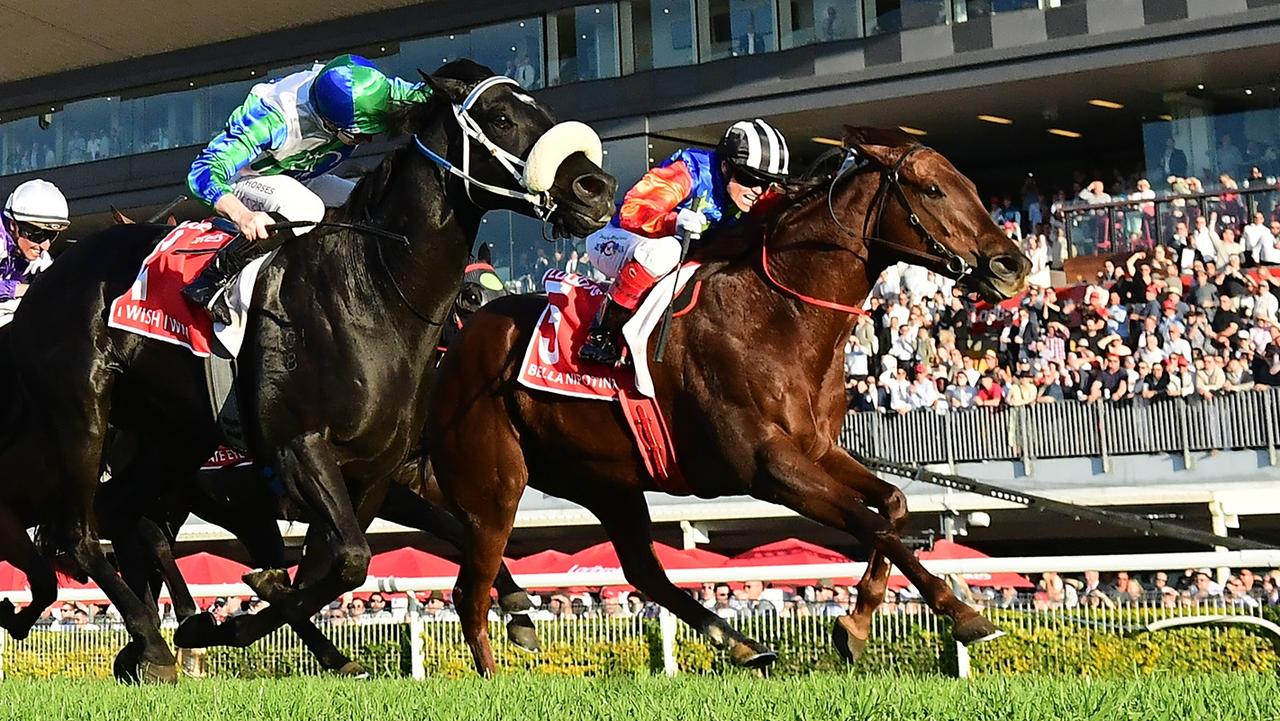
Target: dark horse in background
x,y
243,501
752,387
334,375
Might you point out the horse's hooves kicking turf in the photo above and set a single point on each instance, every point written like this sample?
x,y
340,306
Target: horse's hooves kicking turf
x,y
271,584
351,669
751,655
975,629
125,665
521,633
844,637
199,631
157,673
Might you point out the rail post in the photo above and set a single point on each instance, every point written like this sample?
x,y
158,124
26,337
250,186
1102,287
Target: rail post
x,y
417,650
1269,418
667,627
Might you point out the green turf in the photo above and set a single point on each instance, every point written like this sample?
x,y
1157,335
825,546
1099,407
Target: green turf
x,y
739,698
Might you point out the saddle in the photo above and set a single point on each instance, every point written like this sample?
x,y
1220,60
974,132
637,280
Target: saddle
x,y
551,362
155,308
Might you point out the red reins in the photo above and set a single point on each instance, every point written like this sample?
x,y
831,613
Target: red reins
x,y
808,300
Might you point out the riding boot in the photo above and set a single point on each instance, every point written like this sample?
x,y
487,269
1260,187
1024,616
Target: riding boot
x,y
603,344
226,265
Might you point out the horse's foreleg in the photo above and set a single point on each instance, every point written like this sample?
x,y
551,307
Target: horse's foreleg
x,y
407,508
17,548
805,486
626,520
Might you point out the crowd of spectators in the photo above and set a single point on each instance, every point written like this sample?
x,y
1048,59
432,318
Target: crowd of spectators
x,y
1192,588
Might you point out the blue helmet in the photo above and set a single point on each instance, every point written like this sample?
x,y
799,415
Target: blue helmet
x,y
353,95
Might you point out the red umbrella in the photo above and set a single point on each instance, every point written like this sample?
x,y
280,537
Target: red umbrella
x,y
949,550
410,563
205,568
549,561
602,557
789,552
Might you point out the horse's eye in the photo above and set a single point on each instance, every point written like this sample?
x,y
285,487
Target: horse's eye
x,y
933,191
502,121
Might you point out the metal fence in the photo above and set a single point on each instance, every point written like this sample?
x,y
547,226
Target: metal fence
x,y
1070,429
906,638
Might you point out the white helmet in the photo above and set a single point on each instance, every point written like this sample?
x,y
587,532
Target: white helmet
x,y
39,203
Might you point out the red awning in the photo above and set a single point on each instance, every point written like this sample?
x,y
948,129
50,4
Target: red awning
x,y
203,568
11,579
603,557
790,552
949,550
549,561
411,563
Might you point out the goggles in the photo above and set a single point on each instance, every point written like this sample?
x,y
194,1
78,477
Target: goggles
x,y
36,234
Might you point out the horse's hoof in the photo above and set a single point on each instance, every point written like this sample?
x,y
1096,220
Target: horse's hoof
x,y
515,602
849,644
975,629
199,631
352,669
125,665
271,584
521,633
750,654
191,661
150,672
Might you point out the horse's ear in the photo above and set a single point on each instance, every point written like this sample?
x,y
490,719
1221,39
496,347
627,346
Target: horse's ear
x,y
882,145
455,90
484,255
171,220
119,217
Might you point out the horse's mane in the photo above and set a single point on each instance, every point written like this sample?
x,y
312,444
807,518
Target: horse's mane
x,y
406,120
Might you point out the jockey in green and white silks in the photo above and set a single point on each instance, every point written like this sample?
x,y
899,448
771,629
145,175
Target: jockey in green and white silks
x,y
276,151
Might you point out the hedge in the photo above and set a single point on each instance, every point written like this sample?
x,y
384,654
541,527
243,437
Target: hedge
x,y
1096,646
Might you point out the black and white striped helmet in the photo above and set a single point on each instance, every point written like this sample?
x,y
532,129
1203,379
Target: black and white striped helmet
x,y
756,149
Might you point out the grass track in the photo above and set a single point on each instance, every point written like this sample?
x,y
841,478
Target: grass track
x,y
739,698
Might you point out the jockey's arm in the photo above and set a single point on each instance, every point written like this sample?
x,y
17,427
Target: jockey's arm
x,y
403,91
253,129
649,208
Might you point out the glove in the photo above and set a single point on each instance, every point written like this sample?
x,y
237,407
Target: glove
x,y
691,221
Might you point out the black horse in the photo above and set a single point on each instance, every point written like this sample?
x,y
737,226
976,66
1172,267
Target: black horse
x,y
334,373
242,501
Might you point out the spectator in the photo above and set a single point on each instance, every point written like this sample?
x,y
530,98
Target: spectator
x,y
1237,376
752,604
724,605
1111,383
1261,246
435,608
1210,378
961,395
1205,240
990,394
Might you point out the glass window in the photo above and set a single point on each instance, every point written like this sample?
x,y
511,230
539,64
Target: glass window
x,y
25,147
583,44
661,33
808,21
513,49
88,129
965,10
886,16
427,54
740,27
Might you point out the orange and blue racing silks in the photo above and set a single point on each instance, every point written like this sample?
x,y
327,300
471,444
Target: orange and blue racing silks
x,y
690,179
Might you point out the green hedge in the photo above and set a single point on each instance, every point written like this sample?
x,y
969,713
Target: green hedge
x,y
1094,644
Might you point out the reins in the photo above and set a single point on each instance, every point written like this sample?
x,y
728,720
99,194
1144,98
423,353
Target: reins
x,y
890,184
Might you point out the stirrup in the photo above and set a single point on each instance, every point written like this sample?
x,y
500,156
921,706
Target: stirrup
x,y
601,347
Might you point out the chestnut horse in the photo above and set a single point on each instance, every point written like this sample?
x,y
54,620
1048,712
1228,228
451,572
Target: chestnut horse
x,y
751,386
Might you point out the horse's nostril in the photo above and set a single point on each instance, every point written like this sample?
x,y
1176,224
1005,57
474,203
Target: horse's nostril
x,y
589,187
1008,266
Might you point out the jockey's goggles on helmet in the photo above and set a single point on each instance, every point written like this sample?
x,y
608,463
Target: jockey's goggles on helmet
x,y
752,178
350,136
37,234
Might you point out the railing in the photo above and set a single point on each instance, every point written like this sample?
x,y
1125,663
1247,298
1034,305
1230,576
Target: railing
x,y
1133,225
1069,429
905,638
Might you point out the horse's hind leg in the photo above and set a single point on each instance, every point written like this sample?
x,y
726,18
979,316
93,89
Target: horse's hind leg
x,y
425,513
626,520
831,493
17,548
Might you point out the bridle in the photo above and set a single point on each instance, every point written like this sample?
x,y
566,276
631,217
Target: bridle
x,y
890,186
542,203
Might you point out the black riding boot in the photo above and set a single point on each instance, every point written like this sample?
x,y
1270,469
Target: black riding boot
x,y
604,344
226,264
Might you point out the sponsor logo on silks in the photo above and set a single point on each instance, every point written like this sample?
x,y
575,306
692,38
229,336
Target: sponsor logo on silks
x,y
607,248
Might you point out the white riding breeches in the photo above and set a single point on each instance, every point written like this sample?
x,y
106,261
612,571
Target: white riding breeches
x,y
295,200
611,247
